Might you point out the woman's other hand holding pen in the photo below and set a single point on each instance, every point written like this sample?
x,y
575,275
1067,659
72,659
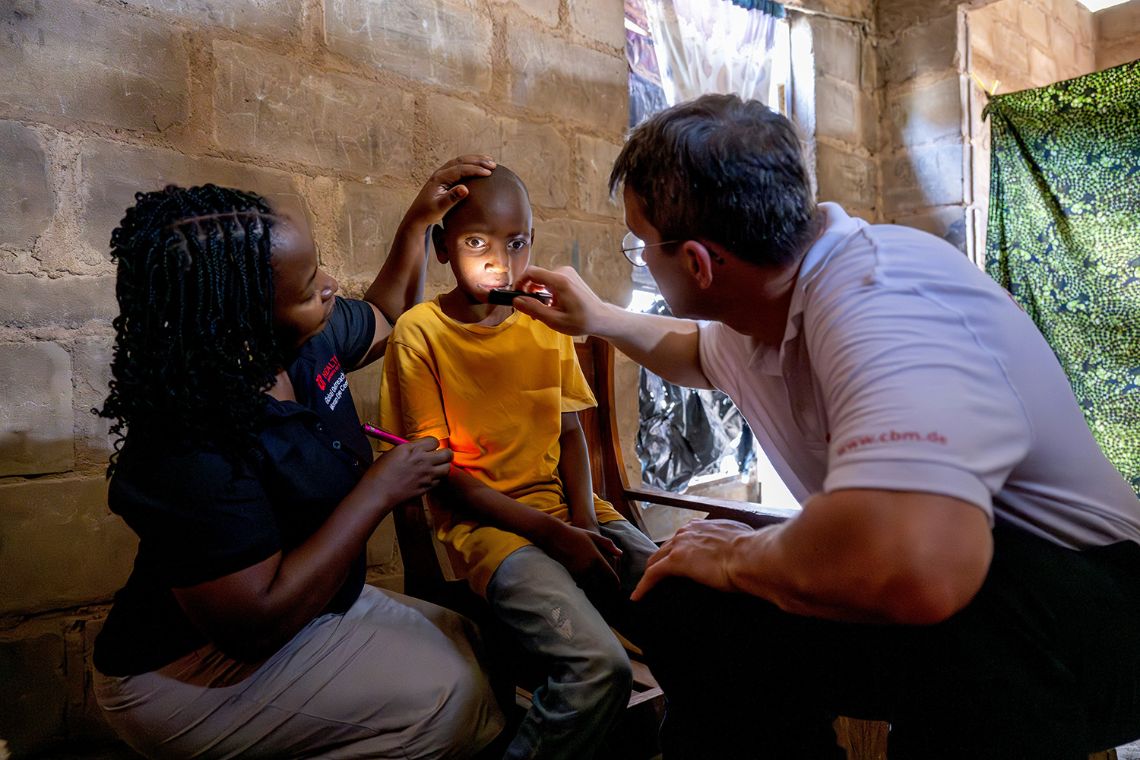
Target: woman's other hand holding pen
x,y
409,470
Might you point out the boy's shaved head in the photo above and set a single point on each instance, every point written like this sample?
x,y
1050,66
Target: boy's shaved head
x,y
502,186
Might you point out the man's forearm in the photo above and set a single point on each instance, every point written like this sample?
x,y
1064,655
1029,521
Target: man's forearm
x,y
666,346
867,556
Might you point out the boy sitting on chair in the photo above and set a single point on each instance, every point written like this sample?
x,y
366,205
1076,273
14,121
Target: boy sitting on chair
x,y
524,526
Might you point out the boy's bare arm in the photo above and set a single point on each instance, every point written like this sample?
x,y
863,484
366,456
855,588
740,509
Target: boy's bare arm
x,y
581,552
574,469
463,491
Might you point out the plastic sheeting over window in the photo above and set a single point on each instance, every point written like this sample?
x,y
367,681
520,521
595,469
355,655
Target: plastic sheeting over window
x,y
646,95
687,433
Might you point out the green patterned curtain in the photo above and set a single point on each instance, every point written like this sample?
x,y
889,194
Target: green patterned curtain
x,y
1064,238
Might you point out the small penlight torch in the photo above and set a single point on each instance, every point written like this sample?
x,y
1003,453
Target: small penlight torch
x,y
383,435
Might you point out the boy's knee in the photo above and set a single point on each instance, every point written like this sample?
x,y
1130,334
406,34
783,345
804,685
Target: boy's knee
x,y
619,668
610,673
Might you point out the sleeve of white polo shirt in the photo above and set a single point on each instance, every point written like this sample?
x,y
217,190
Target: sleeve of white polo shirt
x,y
915,401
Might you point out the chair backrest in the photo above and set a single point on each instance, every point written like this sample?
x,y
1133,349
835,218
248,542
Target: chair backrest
x,y
607,465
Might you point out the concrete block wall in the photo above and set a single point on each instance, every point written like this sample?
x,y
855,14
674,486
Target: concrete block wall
x,y
836,100
1016,45
935,59
1117,35
921,156
344,106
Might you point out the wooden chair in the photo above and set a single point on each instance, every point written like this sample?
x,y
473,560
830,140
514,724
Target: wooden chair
x,y
607,464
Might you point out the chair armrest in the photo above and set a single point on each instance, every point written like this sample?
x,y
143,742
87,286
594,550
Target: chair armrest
x,y
746,512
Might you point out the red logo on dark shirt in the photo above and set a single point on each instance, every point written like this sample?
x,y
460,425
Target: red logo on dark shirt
x,y
326,374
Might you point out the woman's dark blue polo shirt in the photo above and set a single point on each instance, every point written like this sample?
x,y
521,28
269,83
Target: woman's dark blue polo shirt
x,y
200,515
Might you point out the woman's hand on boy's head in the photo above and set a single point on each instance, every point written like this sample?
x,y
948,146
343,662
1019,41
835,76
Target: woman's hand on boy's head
x,y
444,189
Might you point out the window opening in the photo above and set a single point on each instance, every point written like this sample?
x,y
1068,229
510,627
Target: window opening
x,y
678,50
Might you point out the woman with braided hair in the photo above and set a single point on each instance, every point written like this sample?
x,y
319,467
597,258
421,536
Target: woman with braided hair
x,y
245,627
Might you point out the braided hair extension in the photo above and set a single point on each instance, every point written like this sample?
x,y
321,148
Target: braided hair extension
x,y
195,347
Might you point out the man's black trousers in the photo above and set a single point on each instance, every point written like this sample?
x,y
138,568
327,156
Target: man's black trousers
x,y
1044,663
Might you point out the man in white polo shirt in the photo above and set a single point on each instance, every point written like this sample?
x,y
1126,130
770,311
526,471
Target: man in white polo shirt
x,y
966,564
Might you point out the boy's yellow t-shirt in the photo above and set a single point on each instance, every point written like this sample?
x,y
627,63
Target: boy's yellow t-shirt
x,y
497,395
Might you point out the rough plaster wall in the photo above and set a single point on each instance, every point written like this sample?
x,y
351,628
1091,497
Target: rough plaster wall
x,y
1018,45
934,162
920,152
346,105
1118,35
836,101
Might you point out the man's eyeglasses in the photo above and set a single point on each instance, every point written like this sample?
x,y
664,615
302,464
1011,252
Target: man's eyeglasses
x,y
634,248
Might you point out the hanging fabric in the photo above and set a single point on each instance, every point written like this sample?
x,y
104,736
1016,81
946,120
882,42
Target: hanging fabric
x,y
1064,238
713,46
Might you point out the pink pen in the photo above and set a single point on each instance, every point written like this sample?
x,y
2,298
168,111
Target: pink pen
x,y
383,435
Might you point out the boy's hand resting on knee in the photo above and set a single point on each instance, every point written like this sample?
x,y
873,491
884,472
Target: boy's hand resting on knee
x,y
585,554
